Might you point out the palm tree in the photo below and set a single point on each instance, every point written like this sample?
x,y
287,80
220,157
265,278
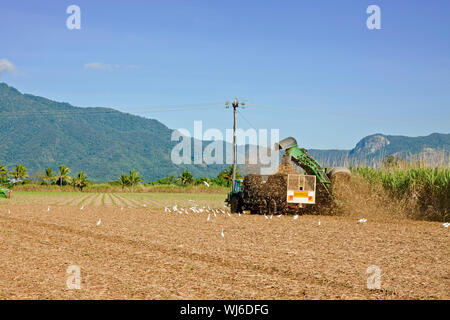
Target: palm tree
x,y
63,175
2,170
80,181
227,175
19,172
48,176
124,180
134,178
186,177
3,176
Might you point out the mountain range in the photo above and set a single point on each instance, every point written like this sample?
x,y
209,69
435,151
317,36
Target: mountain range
x,y
434,149
41,133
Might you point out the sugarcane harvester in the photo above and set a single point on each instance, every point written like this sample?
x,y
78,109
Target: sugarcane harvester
x,y
287,191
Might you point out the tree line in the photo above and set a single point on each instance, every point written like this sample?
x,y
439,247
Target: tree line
x,y
19,175
62,177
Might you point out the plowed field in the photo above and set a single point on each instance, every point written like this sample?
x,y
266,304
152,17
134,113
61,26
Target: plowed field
x,y
140,251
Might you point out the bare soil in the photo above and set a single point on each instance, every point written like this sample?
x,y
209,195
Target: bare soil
x,y
146,253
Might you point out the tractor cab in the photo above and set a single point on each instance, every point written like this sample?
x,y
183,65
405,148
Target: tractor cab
x,y
237,187
234,198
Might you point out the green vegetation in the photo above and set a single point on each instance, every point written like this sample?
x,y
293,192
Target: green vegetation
x,y
2,169
424,191
112,199
49,176
186,177
80,181
134,178
41,133
124,180
3,176
63,176
131,179
19,172
184,183
227,175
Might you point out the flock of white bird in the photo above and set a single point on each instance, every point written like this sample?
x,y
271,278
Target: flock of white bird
x,y
215,212
197,209
208,210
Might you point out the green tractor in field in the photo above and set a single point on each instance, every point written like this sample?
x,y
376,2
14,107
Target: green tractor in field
x,y
5,193
286,192
234,198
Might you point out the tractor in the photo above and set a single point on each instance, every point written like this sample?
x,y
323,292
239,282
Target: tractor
x,y
287,191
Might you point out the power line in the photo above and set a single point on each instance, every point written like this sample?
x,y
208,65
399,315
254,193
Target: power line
x,y
246,120
347,113
57,113
182,105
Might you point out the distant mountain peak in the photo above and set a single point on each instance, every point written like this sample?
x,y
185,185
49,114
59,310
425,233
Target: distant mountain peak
x,y
371,144
4,86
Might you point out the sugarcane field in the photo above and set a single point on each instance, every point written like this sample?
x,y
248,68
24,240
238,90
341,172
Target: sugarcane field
x,y
225,160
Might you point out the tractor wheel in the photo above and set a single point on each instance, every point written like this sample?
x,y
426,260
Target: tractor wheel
x,y
235,206
263,207
272,209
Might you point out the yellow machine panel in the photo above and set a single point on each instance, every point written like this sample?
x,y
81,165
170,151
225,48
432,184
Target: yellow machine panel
x,y
301,189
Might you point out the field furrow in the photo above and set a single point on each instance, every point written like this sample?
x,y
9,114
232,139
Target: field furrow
x,y
137,253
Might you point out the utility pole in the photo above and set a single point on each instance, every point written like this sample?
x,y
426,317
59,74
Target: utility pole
x,y
235,104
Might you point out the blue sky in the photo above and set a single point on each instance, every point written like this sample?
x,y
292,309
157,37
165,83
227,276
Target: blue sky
x,y
309,68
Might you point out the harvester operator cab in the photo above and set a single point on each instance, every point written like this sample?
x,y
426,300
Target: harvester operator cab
x,y
237,186
234,199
